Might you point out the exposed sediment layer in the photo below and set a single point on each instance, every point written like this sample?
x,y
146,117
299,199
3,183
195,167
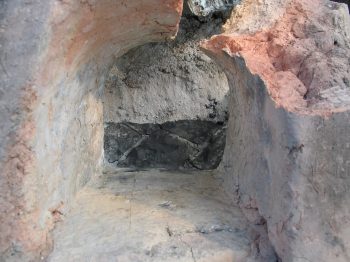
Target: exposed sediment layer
x,y
185,144
287,153
168,81
165,104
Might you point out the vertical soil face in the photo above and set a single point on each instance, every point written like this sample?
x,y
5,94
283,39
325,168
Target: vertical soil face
x,y
166,103
54,56
289,112
183,144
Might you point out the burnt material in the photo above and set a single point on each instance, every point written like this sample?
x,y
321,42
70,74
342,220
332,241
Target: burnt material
x,y
185,144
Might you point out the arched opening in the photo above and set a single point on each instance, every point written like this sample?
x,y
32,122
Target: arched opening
x,y
160,197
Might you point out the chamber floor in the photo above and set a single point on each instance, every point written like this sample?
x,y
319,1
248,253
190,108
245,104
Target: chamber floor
x,y
153,216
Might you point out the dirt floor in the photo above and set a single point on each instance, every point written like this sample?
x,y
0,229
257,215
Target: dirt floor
x,y
153,216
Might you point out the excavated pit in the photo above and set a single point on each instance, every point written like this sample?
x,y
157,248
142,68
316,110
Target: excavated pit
x,y
160,197
215,146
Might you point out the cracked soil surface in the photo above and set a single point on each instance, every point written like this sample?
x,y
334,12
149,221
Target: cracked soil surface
x,y
153,215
